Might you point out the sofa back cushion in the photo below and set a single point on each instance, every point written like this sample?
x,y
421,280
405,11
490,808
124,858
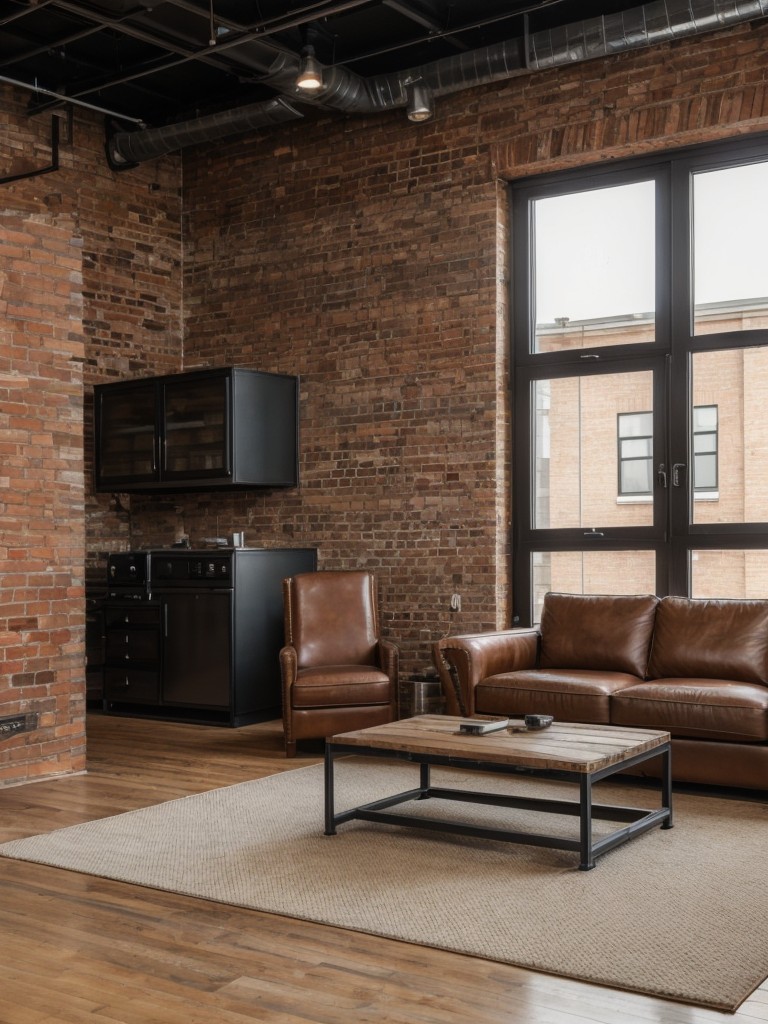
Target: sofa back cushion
x,y
600,632
714,639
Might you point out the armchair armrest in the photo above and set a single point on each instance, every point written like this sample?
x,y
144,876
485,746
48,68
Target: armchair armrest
x,y
464,661
389,662
289,663
389,658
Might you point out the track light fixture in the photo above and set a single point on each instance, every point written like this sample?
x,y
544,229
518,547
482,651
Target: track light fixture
x,y
420,102
310,75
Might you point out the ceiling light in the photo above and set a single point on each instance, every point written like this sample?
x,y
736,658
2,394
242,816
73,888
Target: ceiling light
x,y
310,73
420,104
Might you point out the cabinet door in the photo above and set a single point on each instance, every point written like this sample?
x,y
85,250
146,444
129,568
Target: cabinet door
x,y
197,648
125,434
196,440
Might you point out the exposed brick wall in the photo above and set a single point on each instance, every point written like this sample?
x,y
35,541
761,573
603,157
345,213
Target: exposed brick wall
x,y
43,529
89,290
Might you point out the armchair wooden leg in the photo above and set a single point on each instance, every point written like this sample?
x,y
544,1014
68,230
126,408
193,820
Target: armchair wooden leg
x,y
290,748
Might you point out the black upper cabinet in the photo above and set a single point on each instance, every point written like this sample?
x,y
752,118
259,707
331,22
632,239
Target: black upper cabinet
x,y
208,429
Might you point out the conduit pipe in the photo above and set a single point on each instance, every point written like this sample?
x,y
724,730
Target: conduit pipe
x,y
650,24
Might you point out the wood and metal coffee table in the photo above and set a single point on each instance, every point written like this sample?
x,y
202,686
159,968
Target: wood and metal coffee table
x,y
578,753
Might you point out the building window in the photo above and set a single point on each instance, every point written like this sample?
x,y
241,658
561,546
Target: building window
x,y
635,438
635,454
704,449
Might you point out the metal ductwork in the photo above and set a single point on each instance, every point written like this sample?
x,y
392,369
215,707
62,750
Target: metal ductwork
x,y
651,24
126,149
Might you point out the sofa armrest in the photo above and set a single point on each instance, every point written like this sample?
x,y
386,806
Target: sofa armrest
x,y
464,661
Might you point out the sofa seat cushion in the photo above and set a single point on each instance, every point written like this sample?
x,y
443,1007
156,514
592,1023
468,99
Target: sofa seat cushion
x,y
710,709
571,695
340,685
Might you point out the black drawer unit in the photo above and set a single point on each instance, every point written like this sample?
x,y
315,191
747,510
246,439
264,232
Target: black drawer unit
x,y
132,649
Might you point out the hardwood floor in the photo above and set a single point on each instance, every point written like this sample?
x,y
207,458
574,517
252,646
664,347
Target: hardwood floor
x,y
75,948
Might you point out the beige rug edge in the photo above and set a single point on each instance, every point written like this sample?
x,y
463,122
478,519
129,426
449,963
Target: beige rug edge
x,y
198,819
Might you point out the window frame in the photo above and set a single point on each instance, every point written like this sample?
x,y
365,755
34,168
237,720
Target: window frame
x,y
675,535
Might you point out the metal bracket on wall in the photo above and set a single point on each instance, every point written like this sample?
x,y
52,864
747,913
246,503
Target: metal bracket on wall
x,y
54,164
11,725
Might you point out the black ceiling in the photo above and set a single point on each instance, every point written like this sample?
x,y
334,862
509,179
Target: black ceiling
x,y
157,62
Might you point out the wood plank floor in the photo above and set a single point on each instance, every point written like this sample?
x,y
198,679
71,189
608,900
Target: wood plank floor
x,y
75,948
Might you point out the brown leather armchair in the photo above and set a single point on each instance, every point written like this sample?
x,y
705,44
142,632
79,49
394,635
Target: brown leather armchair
x,y
337,672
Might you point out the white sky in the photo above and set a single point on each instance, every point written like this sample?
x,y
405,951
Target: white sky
x,y
595,250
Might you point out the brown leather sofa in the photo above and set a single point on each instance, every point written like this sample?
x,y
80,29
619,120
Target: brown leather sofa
x,y
695,668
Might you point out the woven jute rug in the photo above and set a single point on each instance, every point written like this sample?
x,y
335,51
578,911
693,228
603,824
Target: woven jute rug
x,y
681,914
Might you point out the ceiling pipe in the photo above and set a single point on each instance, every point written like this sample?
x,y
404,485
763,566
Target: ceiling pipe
x,y
127,149
650,24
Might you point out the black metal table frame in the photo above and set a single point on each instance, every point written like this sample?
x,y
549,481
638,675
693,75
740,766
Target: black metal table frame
x,y
639,820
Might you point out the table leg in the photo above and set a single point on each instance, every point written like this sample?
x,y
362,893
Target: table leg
x,y
587,861
424,780
330,827
666,786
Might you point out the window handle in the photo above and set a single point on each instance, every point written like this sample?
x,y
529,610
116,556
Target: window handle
x,y
594,533
661,475
678,473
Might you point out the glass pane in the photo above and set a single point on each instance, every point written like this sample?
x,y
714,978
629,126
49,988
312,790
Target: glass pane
x,y
730,226
636,477
639,449
594,268
736,381
592,572
128,433
735,574
639,424
705,472
576,474
705,417
195,426
703,443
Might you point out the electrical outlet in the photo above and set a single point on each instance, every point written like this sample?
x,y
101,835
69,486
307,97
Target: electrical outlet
x,y
455,602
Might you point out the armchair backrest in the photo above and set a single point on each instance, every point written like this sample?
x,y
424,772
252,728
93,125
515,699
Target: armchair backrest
x,y
331,617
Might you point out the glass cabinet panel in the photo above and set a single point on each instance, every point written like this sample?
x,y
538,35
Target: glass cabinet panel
x,y
127,449
196,434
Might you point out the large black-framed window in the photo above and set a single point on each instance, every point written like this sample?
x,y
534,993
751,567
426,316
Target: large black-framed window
x,y
640,355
